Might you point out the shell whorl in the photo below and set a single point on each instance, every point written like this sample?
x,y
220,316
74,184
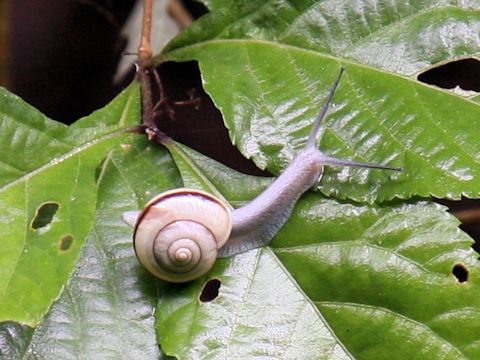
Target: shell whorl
x,y
179,232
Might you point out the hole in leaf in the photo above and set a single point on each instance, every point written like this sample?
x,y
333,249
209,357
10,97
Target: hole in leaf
x,y
66,242
460,272
44,215
464,73
210,290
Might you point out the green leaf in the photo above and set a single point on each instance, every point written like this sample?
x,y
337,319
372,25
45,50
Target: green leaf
x,y
396,36
390,274
31,141
237,187
192,176
269,84
260,312
106,310
47,197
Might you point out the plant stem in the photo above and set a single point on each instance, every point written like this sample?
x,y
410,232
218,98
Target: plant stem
x,y
145,74
179,13
468,216
145,49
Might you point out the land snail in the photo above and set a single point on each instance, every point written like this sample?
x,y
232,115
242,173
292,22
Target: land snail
x,y
180,233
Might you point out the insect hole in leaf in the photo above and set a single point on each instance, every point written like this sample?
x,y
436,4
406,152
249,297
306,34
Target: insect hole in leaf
x,y
460,272
44,215
210,290
464,73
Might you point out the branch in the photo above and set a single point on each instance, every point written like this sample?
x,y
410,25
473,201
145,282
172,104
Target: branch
x,y
179,13
145,73
145,49
468,216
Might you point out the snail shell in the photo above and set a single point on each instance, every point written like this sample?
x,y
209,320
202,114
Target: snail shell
x,y
179,232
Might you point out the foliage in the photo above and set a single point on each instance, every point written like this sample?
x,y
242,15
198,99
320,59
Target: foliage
x,y
362,269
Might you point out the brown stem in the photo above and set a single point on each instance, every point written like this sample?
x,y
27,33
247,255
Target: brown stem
x,y
145,49
179,13
468,216
145,72
148,77
159,84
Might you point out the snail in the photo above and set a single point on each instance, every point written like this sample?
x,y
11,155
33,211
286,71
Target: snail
x,y
180,233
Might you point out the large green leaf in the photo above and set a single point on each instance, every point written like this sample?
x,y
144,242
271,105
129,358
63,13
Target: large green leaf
x,y
268,70
385,270
106,310
260,312
396,36
47,197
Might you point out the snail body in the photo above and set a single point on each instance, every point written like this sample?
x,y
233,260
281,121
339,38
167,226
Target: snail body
x,y
171,224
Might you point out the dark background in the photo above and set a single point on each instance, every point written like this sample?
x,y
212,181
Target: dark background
x,y
61,55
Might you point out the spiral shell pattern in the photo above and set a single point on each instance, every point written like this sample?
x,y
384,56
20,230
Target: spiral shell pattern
x,y
178,234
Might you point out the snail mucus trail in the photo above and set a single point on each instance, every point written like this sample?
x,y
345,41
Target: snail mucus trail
x,y
180,233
